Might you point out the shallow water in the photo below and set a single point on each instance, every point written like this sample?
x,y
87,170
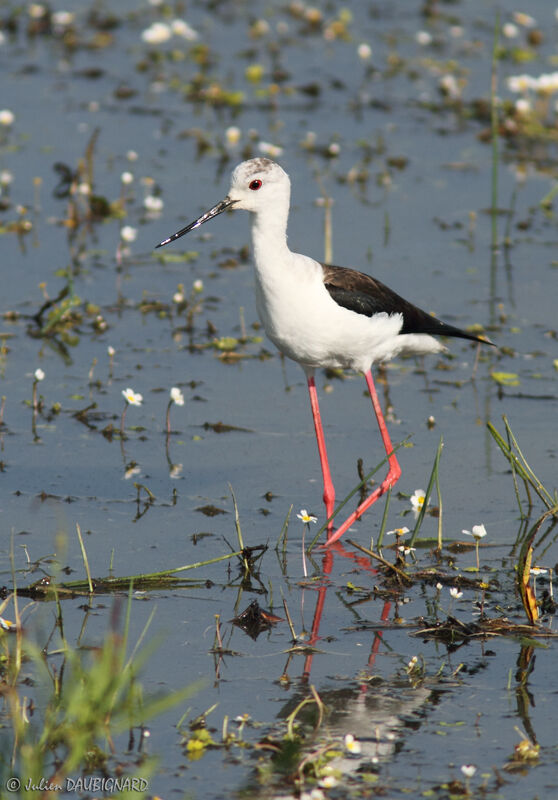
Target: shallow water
x,y
409,223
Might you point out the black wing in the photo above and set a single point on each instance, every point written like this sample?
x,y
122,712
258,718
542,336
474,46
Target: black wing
x,y
366,295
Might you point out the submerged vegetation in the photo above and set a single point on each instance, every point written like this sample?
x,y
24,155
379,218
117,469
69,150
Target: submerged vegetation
x,y
146,108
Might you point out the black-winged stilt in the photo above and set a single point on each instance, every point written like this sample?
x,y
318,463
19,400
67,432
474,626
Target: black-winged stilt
x,y
320,315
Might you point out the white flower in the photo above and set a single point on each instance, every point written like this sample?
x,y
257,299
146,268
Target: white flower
x,y
417,500
233,134
398,532
449,86
153,203
157,33
62,19
334,149
468,770
521,83
412,663
310,139
329,782
455,593
423,38
406,550
524,19
7,117
181,28
176,396
537,571
364,51
6,177
131,155
128,234
39,374
131,397
36,10
510,30
197,286
352,744
178,297
522,106
439,587
272,150
478,532
547,83
306,517
110,350
127,177
84,188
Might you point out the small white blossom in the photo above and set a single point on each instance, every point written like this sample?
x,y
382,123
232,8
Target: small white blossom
x,y
131,397
272,150
36,10
521,83
329,782
524,19
364,52
537,571
233,134
423,38
478,532
352,744
510,30
449,86
181,28
197,286
158,33
39,375
7,117
128,234
306,517
417,500
523,106
127,177
455,593
153,203
177,396
62,19
468,770
398,532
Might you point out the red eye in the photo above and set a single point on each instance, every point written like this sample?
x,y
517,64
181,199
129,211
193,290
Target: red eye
x,y
255,185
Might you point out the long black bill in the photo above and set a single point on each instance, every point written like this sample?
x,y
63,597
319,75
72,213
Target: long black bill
x,y
213,212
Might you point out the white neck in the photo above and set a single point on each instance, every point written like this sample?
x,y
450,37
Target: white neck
x,y
269,235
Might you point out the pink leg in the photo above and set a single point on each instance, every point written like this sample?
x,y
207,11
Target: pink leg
x,y
329,490
394,472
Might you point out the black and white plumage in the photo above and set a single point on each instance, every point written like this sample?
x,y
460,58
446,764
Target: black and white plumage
x,y
320,315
